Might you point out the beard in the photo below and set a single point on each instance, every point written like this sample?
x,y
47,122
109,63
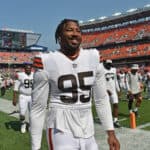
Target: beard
x,y
70,49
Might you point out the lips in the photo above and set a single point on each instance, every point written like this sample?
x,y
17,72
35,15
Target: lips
x,y
74,41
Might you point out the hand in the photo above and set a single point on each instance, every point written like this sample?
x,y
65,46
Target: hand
x,y
129,92
14,102
113,142
119,93
141,86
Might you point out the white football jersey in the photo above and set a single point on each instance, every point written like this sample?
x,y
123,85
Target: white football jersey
x,y
122,80
148,79
23,83
134,82
111,79
69,83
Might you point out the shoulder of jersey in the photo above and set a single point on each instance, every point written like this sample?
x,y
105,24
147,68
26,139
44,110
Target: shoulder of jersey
x,y
93,53
38,60
113,68
32,73
18,75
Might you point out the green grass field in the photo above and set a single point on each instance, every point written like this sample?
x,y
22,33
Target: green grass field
x,y
10,136
8,94
12,139
144,113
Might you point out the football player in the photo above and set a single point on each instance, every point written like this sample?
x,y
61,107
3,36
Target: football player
x,y
112,88
134,87
23,87
65,79
121,80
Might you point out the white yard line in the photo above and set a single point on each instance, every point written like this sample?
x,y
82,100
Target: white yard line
x,y
144,125
123,119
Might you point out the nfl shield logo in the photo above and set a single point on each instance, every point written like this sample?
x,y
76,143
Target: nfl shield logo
x,y
74,65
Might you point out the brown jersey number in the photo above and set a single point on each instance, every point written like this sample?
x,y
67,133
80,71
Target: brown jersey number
x,y
74,88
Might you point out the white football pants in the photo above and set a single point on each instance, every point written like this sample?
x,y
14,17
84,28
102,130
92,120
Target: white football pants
x,y
58,140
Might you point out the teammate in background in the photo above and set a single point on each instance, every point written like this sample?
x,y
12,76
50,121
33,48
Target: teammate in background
x,y
146,82
112,88
144,79
23,87
121,76
121,80
148,85
3,86
68,75
133,80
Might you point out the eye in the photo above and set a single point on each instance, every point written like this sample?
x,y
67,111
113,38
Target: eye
x,y
78,30
68,29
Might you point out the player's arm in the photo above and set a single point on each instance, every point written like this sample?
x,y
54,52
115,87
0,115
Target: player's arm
x,y
15,90
128,85
140,82
116,82
39,103
103,108
15,98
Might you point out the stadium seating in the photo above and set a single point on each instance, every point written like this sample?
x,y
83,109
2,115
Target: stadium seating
x,y
126,51
16,57
117,35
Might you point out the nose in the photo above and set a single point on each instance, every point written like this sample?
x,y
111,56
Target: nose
x,y
75,32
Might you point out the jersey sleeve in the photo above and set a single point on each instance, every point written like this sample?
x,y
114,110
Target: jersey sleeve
x,y
116,81
37,62
128,82
102,100
16,83
40,95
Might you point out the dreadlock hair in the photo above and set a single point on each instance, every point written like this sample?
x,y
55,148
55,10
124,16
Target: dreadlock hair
x,y
60,26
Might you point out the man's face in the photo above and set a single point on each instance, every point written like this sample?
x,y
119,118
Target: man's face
x,y
108,65
28,69
134,71
71,37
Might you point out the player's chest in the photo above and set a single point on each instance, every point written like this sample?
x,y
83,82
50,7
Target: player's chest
x,y
109,76
68,74
25,79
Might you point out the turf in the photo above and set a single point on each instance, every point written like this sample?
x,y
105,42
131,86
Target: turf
x,y
10,136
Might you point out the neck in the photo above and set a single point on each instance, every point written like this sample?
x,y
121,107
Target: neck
x,y
71,54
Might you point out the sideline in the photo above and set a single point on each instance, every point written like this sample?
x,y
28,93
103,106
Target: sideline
x,y
7,107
